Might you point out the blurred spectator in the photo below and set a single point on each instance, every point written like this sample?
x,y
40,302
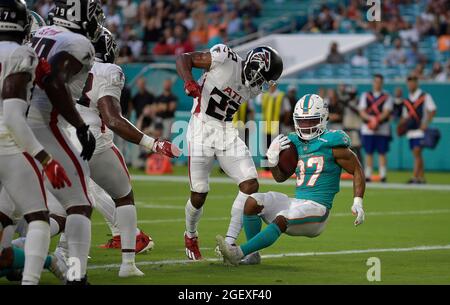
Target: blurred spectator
x,y
419,71
359,60
125,55
413,56
325,19
153,30
221,38
351,120
438,73
166,105
444,41
311,26
248,27
396,56
146,118
182,43
375,108
130,12
142,98
233,22
335,110
398,103
334,57
418,112
251,8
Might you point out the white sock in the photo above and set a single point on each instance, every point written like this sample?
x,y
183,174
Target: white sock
x,y
78,235
192,218
54,227
7,236
368,172
383,171
236,223
36,249
127,222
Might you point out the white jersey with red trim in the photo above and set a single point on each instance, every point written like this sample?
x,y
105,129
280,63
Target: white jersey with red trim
x,y
47,42
104,79
222,93
14,58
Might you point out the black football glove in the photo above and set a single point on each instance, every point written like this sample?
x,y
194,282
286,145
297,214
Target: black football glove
x,y
87,141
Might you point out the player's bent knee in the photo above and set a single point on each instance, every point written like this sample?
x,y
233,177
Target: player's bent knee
x,y
80,209
61,222
251,206
281,222
198,199
249,187
126,200
40,215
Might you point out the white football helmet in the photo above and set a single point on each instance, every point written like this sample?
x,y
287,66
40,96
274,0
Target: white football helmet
x,y
310,117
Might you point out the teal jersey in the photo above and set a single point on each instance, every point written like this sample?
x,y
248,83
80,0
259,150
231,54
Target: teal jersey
x,y
318,174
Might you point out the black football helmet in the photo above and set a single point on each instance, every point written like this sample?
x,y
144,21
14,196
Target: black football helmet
x,y
262,67
82,16
106,47
15,18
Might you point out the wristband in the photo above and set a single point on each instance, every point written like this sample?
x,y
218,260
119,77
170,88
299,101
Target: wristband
x,y
358,201
147,142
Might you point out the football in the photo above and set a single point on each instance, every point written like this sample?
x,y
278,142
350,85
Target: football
x,y
288,159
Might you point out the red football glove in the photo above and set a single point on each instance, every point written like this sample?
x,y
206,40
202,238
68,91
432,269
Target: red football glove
x,y
43,69
56,174
166,148
192,89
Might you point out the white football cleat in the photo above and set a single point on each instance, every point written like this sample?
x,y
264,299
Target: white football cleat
x,y
58,267
251,259
231,254
129,270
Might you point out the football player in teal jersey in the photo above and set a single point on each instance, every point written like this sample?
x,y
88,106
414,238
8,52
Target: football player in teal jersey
x,y
322,154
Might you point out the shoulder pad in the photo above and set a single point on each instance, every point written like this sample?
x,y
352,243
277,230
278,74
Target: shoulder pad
x,y
336,138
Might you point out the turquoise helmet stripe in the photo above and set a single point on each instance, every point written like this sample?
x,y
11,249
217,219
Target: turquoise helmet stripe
x,y
306,103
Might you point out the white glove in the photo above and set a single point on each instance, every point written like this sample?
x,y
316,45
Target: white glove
x,y
280,143
358,211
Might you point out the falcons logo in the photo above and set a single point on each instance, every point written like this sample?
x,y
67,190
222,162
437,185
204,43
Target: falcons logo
x,y
263,58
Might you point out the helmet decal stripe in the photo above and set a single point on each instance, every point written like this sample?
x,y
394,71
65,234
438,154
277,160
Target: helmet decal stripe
x,y
306,103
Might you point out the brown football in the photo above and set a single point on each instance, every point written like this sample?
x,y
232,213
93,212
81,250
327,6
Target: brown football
x,y
288,159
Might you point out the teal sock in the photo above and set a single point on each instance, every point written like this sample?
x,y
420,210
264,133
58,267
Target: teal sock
x,y
252,225
47,262
262,240
19,258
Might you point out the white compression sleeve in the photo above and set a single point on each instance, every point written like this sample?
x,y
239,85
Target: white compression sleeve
x,y
14,110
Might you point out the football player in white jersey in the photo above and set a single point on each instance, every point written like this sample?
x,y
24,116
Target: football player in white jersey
x,y
99,106
66,45
18,145
227,82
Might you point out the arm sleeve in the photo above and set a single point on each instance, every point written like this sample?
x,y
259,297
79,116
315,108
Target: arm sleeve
x,y
14,115
113,82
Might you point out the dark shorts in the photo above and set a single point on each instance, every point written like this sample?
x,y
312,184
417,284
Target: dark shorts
x,y
417,142
375,143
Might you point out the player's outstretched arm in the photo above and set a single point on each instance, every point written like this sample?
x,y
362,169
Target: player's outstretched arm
x,y
348,160
14,95
63,67
111,112
185,62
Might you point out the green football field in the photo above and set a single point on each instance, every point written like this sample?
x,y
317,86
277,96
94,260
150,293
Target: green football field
x,y
407,229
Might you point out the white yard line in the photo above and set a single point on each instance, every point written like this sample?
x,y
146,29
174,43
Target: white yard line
x,y
370,214
283,255
345,184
